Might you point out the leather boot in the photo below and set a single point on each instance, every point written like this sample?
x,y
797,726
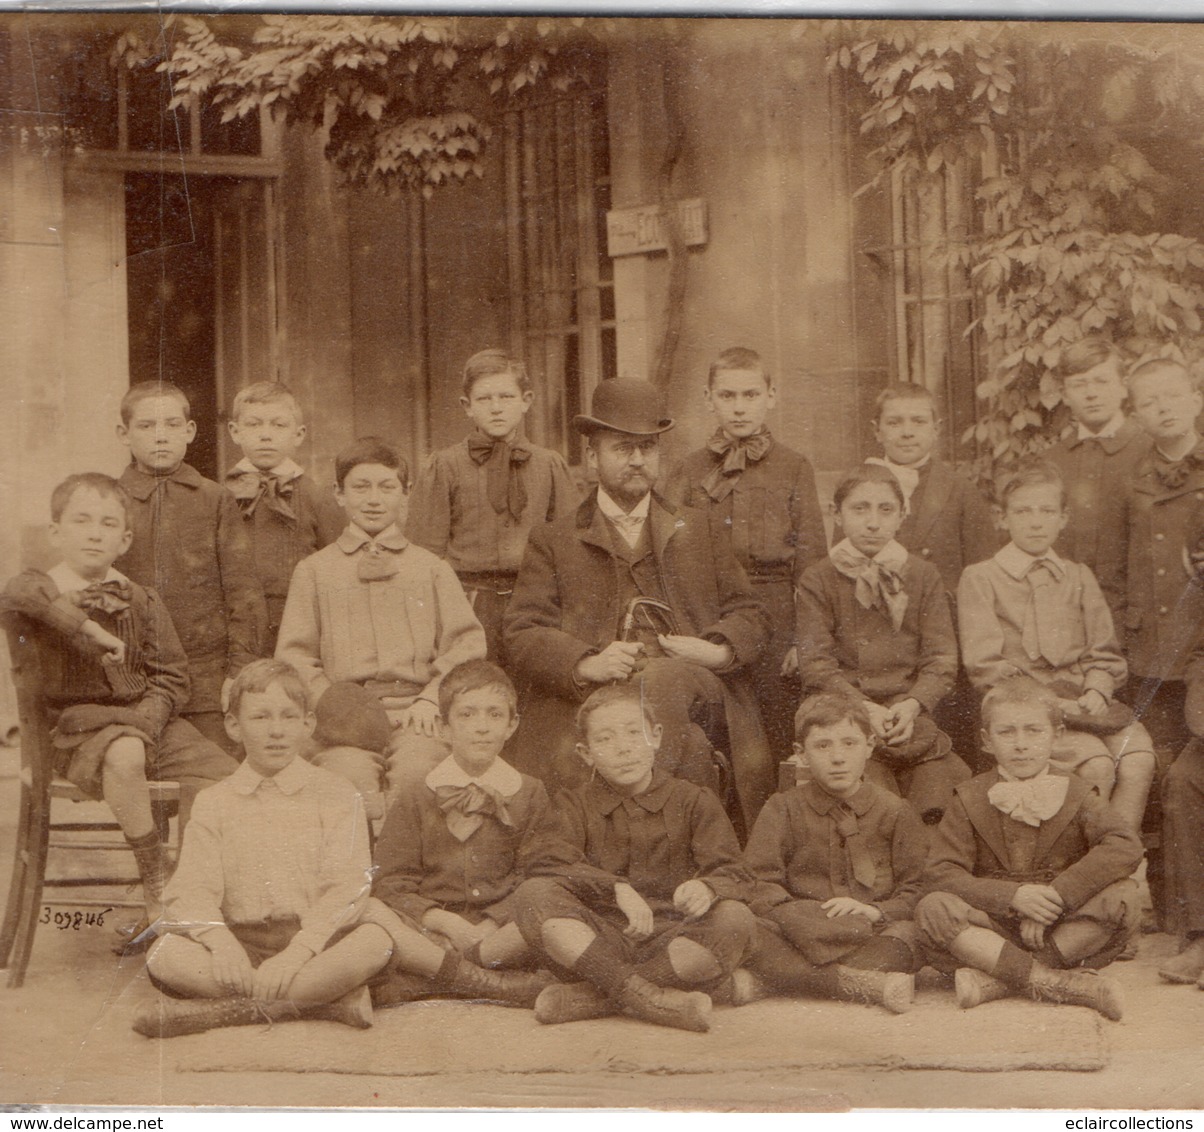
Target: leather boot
x,y
572,1002
740,988
683,1010
1186,967
174,1017
511,988
891,989
354,1009
974,987
154,867
1078,988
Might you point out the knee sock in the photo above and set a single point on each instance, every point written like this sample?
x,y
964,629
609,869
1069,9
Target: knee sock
x,y
785,969
1013,966
659,970
600,965
882,953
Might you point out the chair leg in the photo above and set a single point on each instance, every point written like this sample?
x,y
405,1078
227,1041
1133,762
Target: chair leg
x,y
31,899
16,891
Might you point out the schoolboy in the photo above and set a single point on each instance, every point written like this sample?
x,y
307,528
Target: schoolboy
x,y
475,502
764,494
947,521
287,515
267,906
636,893
373,623
191,546
1097,461
1029,872
118,677
838,863
1164,612
874,623
452,852
1029,611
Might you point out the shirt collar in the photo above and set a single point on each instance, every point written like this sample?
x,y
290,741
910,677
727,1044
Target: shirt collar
x,y
1017,562
1106,433
612,511
354,537
500,776
286,471
823,803
607,799
289,780
140,484
69,582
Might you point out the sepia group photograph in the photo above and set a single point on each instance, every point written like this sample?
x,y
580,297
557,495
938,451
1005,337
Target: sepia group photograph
x,y
640,561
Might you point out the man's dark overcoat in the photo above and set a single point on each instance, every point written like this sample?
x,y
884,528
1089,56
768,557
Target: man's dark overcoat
x,y
566,606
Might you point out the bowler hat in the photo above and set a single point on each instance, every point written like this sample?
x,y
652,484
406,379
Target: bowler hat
x,y
625,404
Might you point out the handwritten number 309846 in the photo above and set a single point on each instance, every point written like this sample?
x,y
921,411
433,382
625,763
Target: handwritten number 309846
x,y
74,919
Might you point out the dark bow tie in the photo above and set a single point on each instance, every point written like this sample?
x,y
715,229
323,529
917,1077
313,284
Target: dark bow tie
x,y
104,597
253,488
503,467
376,563
734,456
1172,474
466,808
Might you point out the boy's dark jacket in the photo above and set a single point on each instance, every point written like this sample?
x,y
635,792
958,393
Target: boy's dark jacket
x,y
1081,850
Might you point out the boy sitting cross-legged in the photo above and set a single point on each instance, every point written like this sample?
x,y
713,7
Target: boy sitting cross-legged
x,y
118,680
267,905
452,852
636,892
1030,870
839,862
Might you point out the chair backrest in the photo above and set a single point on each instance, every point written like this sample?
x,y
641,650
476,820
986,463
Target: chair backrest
x,y
27,643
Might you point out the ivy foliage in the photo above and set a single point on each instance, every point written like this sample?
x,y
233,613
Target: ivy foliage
x,y
1077,138
408,101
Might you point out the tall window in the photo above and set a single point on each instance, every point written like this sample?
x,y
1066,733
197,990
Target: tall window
x,y
562,313
932,297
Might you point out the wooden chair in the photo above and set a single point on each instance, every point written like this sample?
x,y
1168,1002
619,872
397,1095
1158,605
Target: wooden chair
x,y
40,787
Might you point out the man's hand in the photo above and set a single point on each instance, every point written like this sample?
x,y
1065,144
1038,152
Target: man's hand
x,y
615,662
1093,702
224,700
901,721
1038,902
693,898
880,717
847,906
114,646
1032,934
422,716
455,929
635,908
231,968
790,662
274,976
708,654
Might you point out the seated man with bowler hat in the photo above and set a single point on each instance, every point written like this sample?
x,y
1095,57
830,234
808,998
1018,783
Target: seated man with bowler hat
x,y
628,587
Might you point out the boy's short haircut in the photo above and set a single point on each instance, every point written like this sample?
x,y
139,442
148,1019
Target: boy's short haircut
x,y
828,709
488,363
471,675
260,675
1087,353
1162,365
905,391
1029,473
265,393
1020,690
105,486
737,357
147,389
371,450
614,694
867,473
